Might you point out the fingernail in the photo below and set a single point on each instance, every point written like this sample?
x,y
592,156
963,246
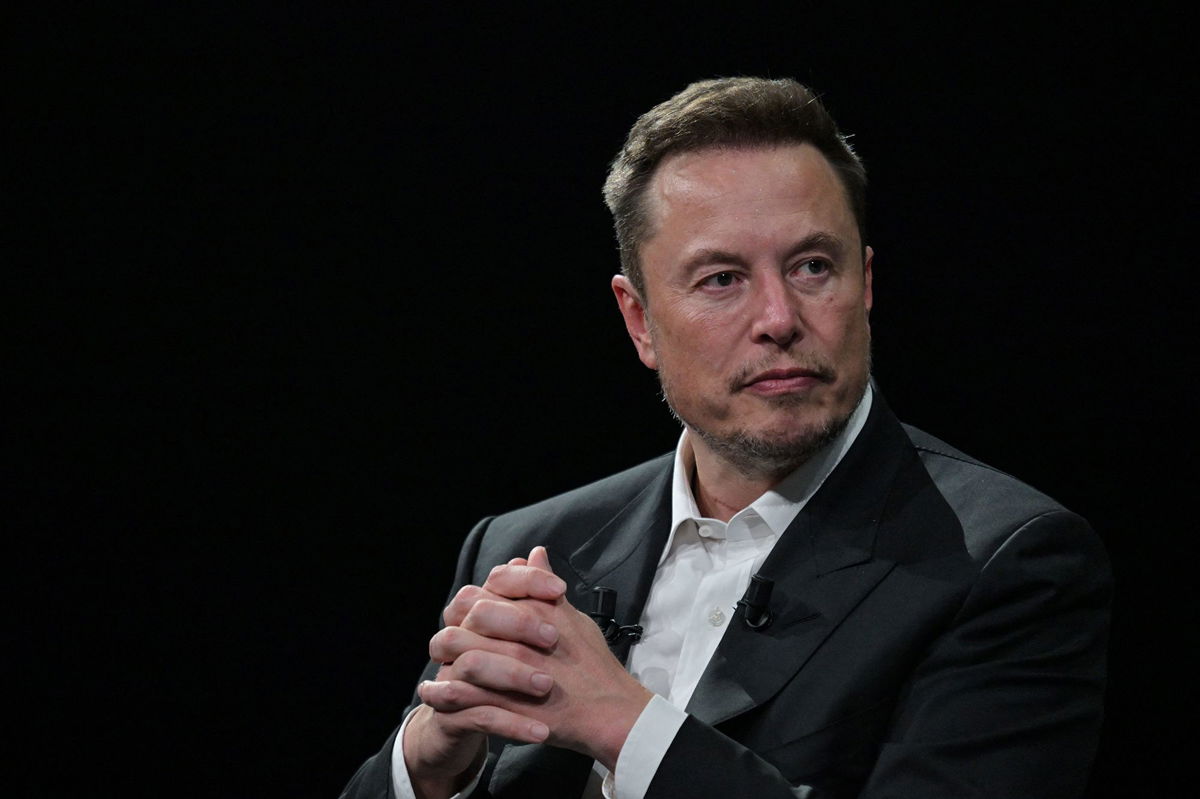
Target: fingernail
x,y
541,681
556,585
539,731
548,632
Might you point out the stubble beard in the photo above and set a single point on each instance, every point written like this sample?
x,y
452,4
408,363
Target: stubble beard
x,y
759,456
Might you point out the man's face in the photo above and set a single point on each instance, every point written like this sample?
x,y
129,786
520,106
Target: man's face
x,y
757,301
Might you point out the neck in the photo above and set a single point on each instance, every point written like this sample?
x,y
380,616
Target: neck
x,y
722,489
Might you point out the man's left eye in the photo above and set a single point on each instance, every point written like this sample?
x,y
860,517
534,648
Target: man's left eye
x,y
722,279
814,267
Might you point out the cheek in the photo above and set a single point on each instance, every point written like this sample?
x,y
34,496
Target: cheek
x,y
698,339
856,328
843,327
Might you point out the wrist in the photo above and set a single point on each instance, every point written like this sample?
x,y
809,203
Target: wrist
x,y
439,788
435,784
616,728
439,766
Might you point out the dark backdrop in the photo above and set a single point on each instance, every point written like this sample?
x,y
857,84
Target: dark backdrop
x,y
296,296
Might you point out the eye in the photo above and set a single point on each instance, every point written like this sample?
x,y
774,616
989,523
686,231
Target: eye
x,y
813,267
721,279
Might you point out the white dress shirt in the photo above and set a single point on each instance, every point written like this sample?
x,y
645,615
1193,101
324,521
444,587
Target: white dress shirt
x,y
703,571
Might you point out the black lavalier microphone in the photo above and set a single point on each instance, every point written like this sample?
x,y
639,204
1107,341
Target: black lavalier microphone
x,y
604,605
755,603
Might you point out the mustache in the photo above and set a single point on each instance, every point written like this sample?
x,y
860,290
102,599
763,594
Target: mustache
x,y
812,365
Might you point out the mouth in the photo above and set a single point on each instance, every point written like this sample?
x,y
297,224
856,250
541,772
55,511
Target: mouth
x,y
774,382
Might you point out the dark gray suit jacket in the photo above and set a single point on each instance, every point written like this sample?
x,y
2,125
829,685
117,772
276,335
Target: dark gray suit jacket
x,y
939,631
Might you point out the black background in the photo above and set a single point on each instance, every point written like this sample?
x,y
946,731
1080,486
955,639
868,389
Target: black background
x,y
297,294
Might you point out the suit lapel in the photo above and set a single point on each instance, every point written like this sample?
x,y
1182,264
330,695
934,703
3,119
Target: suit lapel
x,y
624,553
823,566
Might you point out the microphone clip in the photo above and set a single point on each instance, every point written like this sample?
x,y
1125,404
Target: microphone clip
x,y
604,605
755,604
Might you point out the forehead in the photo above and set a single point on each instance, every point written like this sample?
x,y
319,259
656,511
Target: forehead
x,y
729,188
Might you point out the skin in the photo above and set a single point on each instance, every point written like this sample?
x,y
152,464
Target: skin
x,y
519,662
756,319
756,315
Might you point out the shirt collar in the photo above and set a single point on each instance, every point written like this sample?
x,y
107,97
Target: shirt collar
x,y
782,503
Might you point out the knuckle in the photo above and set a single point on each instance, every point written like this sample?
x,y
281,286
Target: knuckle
x,y
483,718
464,597
440,643
469,664
488,604
517,673
481,610
453,611
531,626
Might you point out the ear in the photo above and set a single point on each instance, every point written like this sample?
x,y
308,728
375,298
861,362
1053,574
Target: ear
x,y
868,299
634,311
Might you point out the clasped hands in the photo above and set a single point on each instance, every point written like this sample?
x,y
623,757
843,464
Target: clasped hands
x,y
518,661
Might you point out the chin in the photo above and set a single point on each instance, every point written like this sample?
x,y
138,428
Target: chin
x,y
773,452
770,437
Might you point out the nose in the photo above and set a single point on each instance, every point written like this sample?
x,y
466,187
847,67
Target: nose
x,y
776,313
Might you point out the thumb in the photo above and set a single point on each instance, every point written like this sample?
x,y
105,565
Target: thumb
x,y
538,558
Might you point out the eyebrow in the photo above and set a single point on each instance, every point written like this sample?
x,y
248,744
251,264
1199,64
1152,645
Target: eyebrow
x,y
826,242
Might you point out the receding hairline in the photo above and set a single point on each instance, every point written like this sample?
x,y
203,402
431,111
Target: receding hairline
x,y
723,113
650,195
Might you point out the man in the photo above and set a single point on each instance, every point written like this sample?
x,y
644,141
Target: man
x,y
935,629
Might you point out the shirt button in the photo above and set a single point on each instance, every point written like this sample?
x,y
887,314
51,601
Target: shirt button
x,y
705,530
716,617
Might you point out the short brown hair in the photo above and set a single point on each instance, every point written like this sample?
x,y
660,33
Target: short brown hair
x,y
726,112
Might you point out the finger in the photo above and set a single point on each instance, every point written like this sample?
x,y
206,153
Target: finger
x,y
491,672
449,643
455,696
510,621
522,582
518,562
540,558
464,599
492,720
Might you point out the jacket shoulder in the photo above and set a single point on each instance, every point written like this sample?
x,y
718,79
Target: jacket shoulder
x,y
990,505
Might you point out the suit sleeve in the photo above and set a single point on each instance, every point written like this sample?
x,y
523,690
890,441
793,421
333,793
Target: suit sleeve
x,y
1007,701
373,780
